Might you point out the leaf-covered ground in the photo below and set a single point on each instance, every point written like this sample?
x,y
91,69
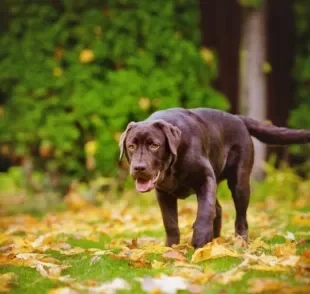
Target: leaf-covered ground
x,y
119,247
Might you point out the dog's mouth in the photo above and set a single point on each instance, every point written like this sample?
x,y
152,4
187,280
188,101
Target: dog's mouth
x,y
143,185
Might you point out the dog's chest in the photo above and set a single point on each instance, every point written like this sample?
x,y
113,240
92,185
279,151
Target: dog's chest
x,y
183,192
179,188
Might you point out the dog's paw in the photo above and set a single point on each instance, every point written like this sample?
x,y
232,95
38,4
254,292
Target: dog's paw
x,y
201,237
172,240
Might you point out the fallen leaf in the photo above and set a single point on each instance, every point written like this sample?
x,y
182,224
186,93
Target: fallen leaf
x,y
268,268
63,290
195,289
134,254
6,281
140,263
238,242
264,285
173,254
165,284
258,243
285,249
194,275
301,219
212,250
228,277
297,290
289,236
157,248
182,246
290,261
94,259
189,265
106,287
303,264
158,264
102,252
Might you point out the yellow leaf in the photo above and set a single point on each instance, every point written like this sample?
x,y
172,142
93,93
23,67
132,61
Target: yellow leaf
x,y
303,265
158,264
87,56
136,254
185,264
238,242
156,248
257,244
6,281
265,285
267,67
212,250
268,268
195,275
285,249
140,264
43,239
144,103
229,277
172,254
102,252
207,55
73,251
64,290
301,219
182,246
290,261
90,147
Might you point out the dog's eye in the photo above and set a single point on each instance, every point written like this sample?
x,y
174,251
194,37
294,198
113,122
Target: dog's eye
x,y
132,147
154,146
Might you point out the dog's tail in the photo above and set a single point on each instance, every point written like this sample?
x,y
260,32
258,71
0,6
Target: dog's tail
x,y
274,135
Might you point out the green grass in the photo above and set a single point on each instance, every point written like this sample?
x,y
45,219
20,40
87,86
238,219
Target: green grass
x,y
106,268
29,280
83,267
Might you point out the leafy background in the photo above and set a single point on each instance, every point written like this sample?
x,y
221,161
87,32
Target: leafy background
x,y
299,117
78,72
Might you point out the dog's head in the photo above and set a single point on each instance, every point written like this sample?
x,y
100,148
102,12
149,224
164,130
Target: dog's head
x,y
151,148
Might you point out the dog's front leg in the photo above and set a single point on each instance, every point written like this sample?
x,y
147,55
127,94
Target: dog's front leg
x,y
203,226
169,210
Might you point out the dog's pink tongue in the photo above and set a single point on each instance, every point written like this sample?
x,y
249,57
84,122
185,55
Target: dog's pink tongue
x,y
143,186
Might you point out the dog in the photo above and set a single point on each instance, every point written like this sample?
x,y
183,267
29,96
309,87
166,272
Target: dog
x,y
179,152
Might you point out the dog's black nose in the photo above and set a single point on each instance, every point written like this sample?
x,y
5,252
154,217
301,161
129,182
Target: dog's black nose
x,y
139,167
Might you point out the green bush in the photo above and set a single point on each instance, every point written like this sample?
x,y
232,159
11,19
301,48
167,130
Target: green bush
x,y
77,72
299,117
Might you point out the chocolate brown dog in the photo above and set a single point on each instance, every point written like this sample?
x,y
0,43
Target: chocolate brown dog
x,y
179,152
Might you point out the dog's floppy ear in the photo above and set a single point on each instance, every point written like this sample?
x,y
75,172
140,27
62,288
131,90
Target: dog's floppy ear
x,y
173,134
123,139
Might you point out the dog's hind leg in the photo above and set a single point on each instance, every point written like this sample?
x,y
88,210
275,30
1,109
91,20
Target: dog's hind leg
x,y
239,185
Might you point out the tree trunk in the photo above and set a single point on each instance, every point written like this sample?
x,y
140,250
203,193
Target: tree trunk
x,y
252,97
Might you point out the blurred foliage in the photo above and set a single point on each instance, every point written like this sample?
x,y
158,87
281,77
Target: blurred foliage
x,y
279,184
299,117
282,185
76,72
